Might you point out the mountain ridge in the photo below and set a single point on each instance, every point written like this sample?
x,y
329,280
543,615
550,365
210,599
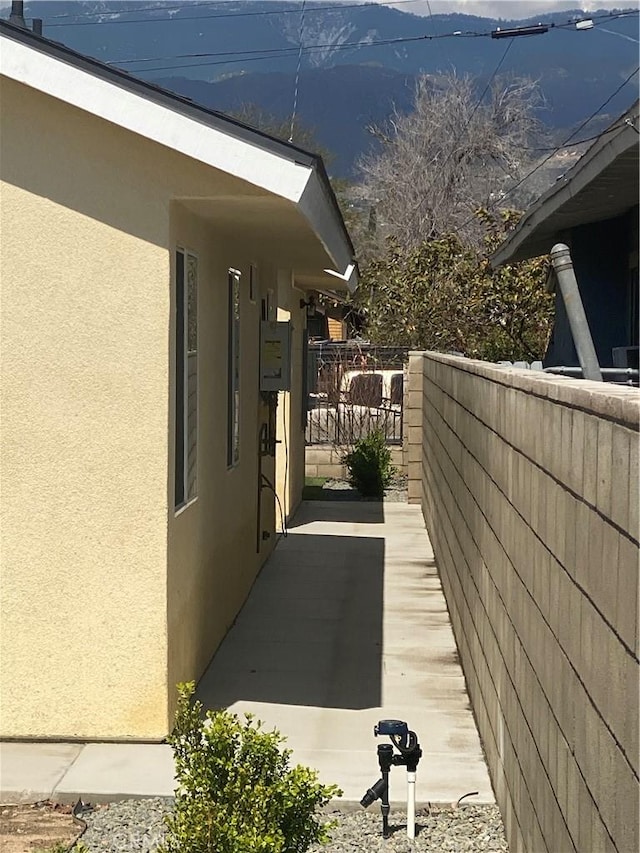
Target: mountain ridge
x,y
356,65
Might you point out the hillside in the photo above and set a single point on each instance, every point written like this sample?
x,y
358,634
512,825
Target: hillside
x,y
338,104
357,61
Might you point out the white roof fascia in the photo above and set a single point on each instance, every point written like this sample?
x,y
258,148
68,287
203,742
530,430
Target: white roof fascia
x,y
603,152
77,87
324,220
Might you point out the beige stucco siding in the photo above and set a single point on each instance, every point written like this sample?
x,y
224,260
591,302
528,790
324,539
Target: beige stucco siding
x,y
290,450
109,597
84,432
213,541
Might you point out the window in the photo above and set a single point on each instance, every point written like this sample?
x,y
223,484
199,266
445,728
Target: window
x,y
186,429
233,370
253,283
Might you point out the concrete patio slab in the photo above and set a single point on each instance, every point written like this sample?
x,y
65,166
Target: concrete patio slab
x,y
107,772
30,772
346,625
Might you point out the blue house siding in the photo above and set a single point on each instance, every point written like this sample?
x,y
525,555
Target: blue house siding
x,y
603,254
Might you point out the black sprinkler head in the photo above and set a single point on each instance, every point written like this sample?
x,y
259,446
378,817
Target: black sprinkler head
x,y
397,728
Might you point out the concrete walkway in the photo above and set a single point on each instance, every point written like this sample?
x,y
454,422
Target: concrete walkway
x,y
346,625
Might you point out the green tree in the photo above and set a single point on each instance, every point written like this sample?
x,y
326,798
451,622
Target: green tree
x,y
444,295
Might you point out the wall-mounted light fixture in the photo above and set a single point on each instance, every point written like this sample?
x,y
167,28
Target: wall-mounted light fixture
x,y
313,309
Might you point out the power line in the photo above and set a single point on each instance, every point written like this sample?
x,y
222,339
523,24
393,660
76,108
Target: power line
x,y
489,82
559,147
297,80
433,26
156,8
454,144
334,7
597,19
571,135
267,53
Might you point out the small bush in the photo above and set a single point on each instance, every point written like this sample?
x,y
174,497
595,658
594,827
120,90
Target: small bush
x,y
369,465
236,792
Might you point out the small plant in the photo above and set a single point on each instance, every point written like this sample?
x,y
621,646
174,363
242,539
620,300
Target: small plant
x,y
236,792
369,465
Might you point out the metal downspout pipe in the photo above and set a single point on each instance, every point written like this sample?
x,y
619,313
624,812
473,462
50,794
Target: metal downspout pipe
x,y
563,266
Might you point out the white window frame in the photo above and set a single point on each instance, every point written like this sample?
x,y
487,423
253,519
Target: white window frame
x,y
186,486
234,365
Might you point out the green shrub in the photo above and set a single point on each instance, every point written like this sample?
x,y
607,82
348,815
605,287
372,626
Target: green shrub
x,y
369,465
236,792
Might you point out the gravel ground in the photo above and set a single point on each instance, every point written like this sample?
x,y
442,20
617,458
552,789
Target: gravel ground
x,y
137,825
440,830
131,826
396,493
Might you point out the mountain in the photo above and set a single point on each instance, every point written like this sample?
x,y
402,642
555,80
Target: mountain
x,y
356,64
337,104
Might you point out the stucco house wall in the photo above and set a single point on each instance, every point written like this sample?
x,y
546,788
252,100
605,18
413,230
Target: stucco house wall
x,y
214,550
84,441
109,595
290,431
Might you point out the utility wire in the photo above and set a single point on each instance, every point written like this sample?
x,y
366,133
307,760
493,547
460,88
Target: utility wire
x,y
433,27
157,8
571,135
455,142
597,19
559,147
266,53
486,88
576,142
297,80
283,51
333,8
273,53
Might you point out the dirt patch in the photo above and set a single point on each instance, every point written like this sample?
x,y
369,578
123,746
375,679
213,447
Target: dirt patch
x,y
40,827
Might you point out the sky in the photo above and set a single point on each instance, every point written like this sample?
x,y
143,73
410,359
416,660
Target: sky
x,y
511,8
484,8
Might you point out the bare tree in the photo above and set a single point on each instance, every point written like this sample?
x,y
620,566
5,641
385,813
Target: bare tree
x,y
454,153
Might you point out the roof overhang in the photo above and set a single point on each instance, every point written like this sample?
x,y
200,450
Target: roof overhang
x,y
294,179
602,185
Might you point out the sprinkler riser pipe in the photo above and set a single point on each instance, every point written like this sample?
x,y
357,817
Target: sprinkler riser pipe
x,y
411,805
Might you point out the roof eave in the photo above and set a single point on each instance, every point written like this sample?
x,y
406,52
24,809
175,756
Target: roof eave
x,y
278,167
521,244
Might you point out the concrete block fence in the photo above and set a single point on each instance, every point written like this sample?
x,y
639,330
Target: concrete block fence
x,y
323,460
529,488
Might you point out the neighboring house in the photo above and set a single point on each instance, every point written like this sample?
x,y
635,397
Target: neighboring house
x,y
594,210
143,241
332,319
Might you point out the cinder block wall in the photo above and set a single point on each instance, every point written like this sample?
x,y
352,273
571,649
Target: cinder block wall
x,y
323,460
529,488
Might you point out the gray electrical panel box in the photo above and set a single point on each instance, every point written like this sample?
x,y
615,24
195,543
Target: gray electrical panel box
x,y
275,356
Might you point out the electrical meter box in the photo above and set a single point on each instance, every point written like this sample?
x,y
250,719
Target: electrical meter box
x,y
275,356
